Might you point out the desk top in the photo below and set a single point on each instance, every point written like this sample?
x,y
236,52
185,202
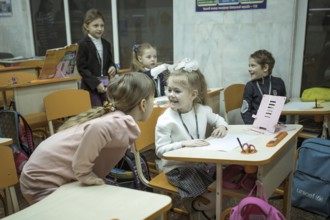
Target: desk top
x,y
298,107
104,202
263,156
37,82
6,141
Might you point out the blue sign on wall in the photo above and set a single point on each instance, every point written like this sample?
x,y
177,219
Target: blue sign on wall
x,y
229,5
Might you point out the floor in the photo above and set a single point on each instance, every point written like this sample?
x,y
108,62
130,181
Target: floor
x,y
296,214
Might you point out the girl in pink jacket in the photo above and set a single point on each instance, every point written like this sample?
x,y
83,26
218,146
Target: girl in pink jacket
x,y
89,145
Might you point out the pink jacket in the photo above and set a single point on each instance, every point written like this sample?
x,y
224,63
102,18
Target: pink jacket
x,y
89,149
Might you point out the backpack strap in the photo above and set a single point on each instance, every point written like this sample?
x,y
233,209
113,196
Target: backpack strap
x,y
27,132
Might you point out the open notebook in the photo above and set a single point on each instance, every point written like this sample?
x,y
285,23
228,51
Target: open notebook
x,y
59,62
268,113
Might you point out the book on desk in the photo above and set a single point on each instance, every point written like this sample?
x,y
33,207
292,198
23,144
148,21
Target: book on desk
x,y
59,62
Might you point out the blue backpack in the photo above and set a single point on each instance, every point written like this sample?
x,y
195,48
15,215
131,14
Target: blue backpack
x,y
311,180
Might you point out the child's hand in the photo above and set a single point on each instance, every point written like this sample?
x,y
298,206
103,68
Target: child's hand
x,y
194,143
112,71
100,88
219,132
93,181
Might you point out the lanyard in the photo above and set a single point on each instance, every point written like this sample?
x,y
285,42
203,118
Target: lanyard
x,y
270,86
100,61
185,126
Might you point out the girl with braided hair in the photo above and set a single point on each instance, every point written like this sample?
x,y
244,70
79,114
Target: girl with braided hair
x,y
89,145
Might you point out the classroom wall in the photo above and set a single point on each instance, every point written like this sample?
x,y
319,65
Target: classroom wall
x,y
222,41
16,31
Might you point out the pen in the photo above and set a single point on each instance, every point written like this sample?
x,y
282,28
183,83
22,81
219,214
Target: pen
x,y
240,144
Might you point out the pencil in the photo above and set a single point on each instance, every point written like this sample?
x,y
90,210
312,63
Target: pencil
x,y
240,144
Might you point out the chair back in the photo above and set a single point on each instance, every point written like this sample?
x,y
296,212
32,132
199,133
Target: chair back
x,y
233,98
8,179
65,103
8,175
147,128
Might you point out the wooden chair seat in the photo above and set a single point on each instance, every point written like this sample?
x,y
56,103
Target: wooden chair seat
x,y
160,182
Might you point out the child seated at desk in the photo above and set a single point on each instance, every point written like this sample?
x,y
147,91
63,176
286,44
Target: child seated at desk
x,y
144,59
184,125
89,145
261,64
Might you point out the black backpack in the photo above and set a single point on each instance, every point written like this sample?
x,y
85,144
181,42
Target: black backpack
x,y
14,126
125,173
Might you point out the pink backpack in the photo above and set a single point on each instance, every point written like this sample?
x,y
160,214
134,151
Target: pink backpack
x,y
254,208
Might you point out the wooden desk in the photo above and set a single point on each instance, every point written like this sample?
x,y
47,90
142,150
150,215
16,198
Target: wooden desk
x,y
275,164
29,96
105,202
5,141
296,107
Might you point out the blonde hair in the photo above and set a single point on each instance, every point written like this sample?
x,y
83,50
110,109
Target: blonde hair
x,y
137,51
192,80
124,93
90,16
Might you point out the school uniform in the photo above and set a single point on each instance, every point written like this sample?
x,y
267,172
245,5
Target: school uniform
x,y
87,150
191,178
253,93
160,82
91,67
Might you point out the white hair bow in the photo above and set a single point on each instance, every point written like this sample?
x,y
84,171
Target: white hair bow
x,y
187,65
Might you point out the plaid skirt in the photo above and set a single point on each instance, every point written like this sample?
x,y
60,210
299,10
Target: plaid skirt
x,y
190,181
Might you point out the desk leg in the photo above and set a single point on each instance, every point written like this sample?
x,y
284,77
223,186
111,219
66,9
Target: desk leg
x,y
287,196
4,100
218,203
325,128
296,119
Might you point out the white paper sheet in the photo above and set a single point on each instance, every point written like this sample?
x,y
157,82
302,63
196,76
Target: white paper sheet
x,y
228,143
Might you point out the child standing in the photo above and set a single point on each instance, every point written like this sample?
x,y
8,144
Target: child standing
x,y
144,59
184,125
262,82
94,59
89,145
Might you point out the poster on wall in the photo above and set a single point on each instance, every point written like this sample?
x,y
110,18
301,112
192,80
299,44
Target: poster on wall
x,y
5,8
229,5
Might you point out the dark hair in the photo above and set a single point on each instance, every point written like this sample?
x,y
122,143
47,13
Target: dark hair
x,y
90,16
264,57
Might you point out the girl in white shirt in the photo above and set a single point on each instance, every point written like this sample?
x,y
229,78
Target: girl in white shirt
x,y
184,125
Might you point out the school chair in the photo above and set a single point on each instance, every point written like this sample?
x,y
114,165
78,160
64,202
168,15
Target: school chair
x,y
146,142
233,98
65,103
8,180
37,121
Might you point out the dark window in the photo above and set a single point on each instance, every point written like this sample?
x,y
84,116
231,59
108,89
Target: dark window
x,y
48,25
145,21
316,65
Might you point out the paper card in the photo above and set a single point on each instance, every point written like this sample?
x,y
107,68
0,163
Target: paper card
x,y
268,113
